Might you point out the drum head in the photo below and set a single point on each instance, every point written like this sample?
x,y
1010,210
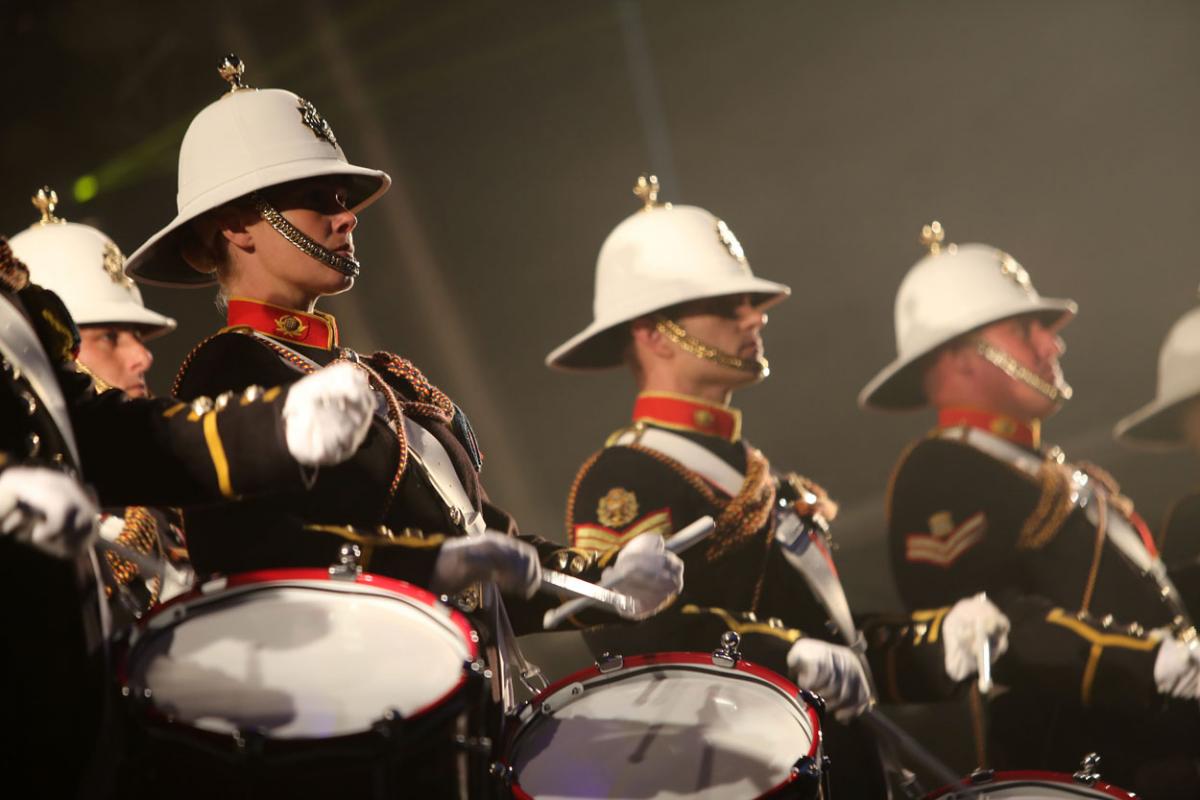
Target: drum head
x,y
1032,786
298,659
663,732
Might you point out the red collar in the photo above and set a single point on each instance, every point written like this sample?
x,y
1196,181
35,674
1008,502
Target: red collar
x,y
286,324
996,424
684,413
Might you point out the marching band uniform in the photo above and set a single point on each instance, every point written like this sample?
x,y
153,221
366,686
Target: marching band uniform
x,y
85,269
767,572
130,450
980,504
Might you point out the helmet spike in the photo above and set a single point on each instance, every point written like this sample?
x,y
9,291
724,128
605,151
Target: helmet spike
x,y
646,190
932,236
231,70
44,201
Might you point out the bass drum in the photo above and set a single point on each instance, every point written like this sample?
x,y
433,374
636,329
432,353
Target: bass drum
x,y
300,683
1029,785
666,725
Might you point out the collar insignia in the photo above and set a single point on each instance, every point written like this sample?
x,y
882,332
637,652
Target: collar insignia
x,y
291,326
315,122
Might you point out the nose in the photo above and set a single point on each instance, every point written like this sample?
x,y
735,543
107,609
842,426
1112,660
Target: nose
x,y
750,316
345,221
140,358
1046,342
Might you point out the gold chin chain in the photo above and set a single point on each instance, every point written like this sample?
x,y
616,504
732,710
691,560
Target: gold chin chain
x,y
1019,372
347,266
690,344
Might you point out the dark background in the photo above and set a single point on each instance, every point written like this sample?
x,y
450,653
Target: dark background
x,y
824,133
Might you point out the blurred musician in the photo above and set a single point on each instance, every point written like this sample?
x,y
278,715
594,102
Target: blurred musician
x,y
1101,652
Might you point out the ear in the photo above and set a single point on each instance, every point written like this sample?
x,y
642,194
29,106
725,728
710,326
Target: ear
x,y
648,339
235,225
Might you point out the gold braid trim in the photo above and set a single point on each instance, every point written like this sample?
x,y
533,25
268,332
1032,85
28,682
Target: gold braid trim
x,y
140,534
746,624
1053,507
574,493
749,512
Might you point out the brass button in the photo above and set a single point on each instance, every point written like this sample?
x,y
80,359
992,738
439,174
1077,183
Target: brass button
x,y
31,404
33,444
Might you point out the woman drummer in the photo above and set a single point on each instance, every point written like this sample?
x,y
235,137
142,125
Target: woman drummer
x,y
267,209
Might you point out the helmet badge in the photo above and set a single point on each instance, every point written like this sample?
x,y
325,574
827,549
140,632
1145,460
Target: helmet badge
x,y
114,265
231,70
730,241
44,201
315,122
1010,269
932,236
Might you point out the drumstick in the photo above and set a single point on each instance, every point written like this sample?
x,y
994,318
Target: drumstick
x,y
983,661
884,728
694,533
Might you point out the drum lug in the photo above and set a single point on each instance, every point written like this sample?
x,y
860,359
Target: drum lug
x,y
347,567
981,775
814,700
502,773
610,662
728,655
807,773
477,744
390,724
1089,770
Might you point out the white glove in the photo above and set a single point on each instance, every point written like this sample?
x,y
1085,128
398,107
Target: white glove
x,y
60,514
646,571
1176,668
967,625
833,671
327,414
491,556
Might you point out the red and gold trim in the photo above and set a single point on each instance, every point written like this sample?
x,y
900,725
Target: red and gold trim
x,y
996,424
286,324
600,538
682,413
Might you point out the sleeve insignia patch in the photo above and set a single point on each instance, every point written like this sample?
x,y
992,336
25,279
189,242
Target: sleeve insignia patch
x,y
945,541
589,536
617,508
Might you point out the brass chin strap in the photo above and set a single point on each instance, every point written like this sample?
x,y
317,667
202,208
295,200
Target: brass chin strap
x,y
690,344
1019,372
347,266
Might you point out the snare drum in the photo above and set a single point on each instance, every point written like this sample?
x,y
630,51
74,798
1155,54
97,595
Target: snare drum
x,y
666,725
301,682
1028,785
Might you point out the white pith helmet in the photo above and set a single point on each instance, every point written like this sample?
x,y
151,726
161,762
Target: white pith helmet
x,y
85,269
1159,423
953,290
660,256
247,140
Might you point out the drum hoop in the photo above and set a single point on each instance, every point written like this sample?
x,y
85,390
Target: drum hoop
x,y
1017,778
593,677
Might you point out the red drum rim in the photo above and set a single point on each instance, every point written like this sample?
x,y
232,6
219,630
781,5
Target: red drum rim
x,y
1041,776
671,659
303,577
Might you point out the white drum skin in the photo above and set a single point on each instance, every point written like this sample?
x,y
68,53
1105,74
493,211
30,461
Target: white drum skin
x,y
294,654
1028,785
666,725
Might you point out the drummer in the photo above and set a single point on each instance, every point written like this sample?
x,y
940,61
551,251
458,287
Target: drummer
x,y
677,304
267,210
85,268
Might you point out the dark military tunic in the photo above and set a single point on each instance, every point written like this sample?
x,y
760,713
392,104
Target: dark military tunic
x,y
738,579
130,450
378,498
1080,665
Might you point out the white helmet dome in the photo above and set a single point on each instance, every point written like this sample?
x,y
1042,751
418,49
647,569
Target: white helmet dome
x,y
660,256
247,140
953,290
1159,423
85,269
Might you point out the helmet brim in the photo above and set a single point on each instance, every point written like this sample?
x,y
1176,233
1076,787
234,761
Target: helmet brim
x,y
158,261
898,386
